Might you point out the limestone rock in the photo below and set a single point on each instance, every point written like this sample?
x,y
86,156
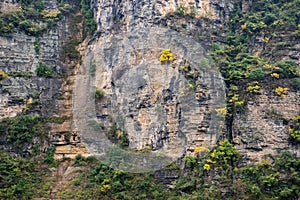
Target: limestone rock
x,y
159,105
264,127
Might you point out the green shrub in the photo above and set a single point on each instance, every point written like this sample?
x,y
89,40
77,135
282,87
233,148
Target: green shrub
x,y
99,94
9,21
50,157
295,82
181,10
18,178
44,70
70,51
89,22
257,74
20,131
288,68
39,5
37,46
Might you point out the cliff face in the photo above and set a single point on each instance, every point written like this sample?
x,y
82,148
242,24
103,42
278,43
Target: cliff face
x,y
264,127
144,103
158,105
167,106
133,14
27,91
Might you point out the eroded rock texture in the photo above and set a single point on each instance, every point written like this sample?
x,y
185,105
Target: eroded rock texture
x,y
23,91
162,106
128,15
264,127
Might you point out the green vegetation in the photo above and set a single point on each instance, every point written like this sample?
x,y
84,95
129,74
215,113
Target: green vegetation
x,y
295,82
19,180
93,67
99,94
25,19
44,70
50,157
181,10
216,176
70,51
241,64
256,74
89,22
37,46
32,17
99,181
295,130
20,132
118,136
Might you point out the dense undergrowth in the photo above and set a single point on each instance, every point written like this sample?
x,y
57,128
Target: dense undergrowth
x,y
275,177
34,19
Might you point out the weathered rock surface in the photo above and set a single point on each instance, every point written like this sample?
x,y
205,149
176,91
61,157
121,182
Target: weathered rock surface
x,y
25,92
129,15
161,106
264,127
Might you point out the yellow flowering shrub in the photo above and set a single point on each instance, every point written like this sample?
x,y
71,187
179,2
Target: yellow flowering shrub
x,y
201,149
280,91
275,75
53,14
221,156
206,167
222,111
254,87
166,55
3,74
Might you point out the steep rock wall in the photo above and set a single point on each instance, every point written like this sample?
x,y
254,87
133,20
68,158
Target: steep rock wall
x,y
23,91
127,15
264,127
166,108
159,105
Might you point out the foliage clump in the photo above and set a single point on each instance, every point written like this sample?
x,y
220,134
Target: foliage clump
x,y
44,70
295,130
20,132
3,75
89,22
18,178
99,94
280,91
254,87
222,156
166,55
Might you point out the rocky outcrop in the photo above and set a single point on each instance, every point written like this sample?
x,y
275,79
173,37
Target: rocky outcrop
x,y
129,15
9,6
23,91
155,106
263,128
167,107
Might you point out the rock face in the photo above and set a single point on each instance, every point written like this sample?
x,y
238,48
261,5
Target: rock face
x,y
264,127
168,106
128,15
25,92
19,60
9,6
163,107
